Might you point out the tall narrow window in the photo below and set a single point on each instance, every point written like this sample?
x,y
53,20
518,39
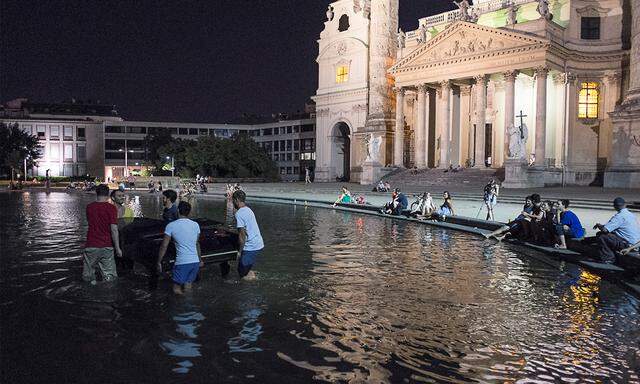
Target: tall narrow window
x,y
590,28
342,74
588,100
343,23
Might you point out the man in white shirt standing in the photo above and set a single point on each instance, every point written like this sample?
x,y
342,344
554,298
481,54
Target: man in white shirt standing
x,y
185,234
250,239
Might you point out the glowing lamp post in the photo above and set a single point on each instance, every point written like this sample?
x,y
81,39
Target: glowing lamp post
x,y
172,165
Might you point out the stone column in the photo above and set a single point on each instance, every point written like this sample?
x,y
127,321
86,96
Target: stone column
x,y
398,143
633,94
480,121
466,134
445,134
383,27
420,131
509,106
382,53
541,116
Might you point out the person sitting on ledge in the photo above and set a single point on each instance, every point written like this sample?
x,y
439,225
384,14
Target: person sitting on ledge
x,y
446,209
380,187
515,227
568,225
621,231
390,207
403,202
345,197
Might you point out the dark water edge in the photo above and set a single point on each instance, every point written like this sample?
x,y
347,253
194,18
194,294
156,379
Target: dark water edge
x,y
339,297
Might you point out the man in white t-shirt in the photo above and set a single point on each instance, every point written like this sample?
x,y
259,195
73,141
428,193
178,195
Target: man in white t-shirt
x,y
185,234
249,235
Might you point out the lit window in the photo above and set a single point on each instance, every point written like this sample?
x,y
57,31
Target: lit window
x,y
588,101
342,74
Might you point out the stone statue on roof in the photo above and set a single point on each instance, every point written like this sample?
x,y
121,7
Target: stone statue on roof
x,y
401,38
464,10
544,10
512,14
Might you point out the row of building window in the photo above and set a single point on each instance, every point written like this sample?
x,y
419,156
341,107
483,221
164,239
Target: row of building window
x,y
291,171
53,152
172,130
294,156
55,132
288,145
282,130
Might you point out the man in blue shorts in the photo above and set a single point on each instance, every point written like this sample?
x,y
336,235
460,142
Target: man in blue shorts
x,y
185,234
250,238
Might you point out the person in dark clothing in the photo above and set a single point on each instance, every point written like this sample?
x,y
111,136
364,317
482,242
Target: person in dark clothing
x,y
403,202
618,233
170,211
515,227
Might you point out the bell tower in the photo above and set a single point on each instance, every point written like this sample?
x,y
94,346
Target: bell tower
x,y
380,122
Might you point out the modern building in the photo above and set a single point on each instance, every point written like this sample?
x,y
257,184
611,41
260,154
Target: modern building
x,y
496,84
83,139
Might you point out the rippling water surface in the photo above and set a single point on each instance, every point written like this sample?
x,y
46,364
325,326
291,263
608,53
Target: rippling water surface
x,y
339,297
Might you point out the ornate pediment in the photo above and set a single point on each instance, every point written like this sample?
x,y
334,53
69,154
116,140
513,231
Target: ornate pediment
x,y
464,41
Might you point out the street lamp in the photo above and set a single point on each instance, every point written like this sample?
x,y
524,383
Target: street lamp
x,y
172,165
126,159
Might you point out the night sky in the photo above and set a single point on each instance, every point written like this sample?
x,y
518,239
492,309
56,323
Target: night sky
x,y
189,61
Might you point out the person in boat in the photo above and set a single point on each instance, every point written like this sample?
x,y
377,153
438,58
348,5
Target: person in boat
x,y
185,233
621,231
344,198
490,198
250,238
118,199
568,225
102,238
403,202
170,210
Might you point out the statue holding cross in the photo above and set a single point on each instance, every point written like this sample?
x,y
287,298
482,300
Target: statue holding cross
x,y
518,138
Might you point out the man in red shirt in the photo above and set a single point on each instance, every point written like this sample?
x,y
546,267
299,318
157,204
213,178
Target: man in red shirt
x,y
102,238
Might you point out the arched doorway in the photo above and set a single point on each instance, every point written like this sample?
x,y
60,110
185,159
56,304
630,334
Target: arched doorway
x,y
342,151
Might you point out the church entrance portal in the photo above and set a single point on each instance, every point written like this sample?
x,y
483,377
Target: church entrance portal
x,y
342,151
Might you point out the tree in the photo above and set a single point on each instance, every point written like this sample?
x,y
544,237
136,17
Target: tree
x,y
153,143
16,146
239,156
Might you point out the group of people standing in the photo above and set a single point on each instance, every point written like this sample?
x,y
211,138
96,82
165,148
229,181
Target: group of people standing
x,y
103,239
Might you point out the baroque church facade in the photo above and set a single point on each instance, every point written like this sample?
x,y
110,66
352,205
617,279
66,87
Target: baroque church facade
x,y
547,89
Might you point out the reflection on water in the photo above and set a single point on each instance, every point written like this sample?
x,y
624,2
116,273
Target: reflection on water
x,y
339,297
184,344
